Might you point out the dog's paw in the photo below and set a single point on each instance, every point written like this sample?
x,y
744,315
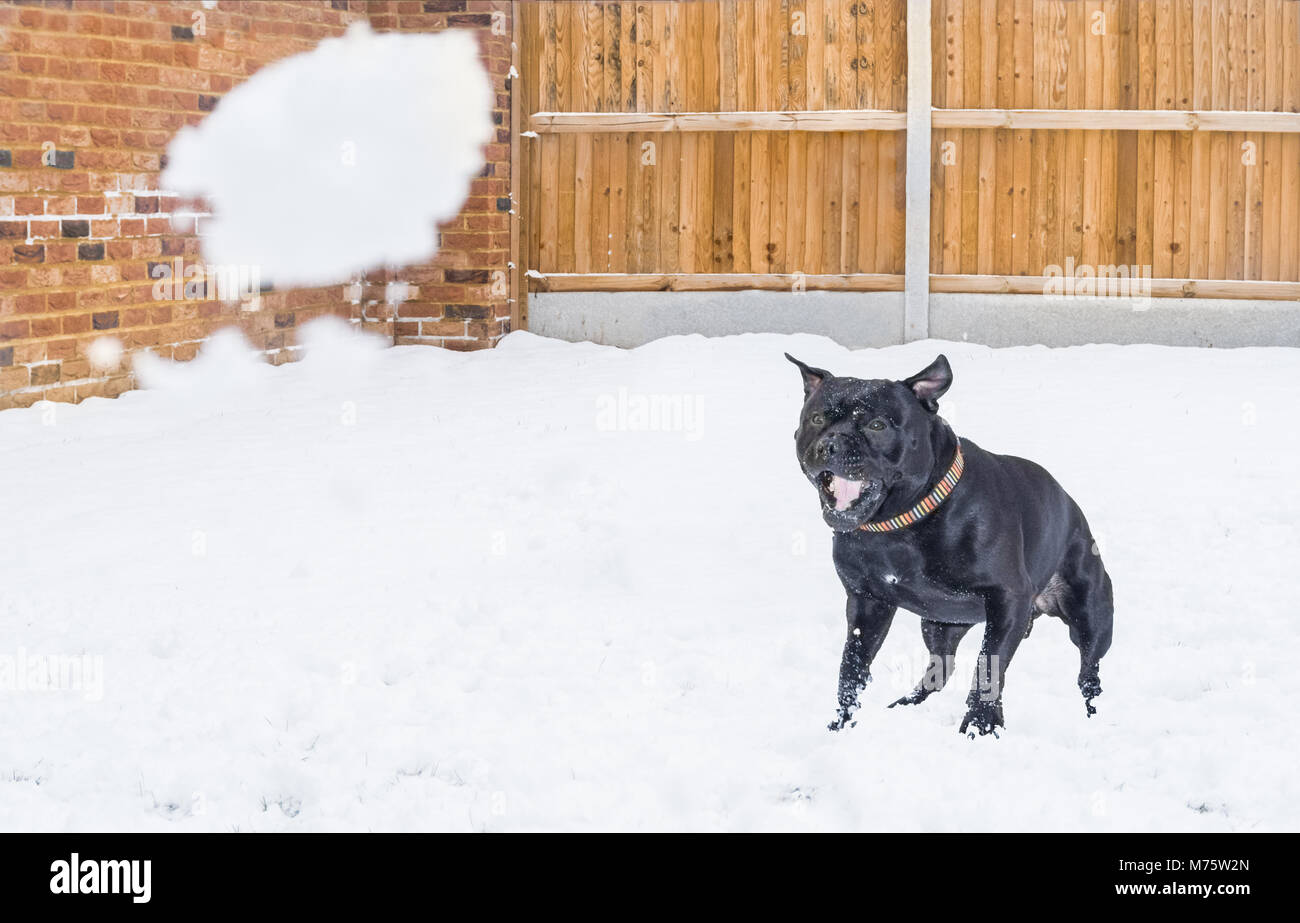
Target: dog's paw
x,y
1091,688
843,719
983,718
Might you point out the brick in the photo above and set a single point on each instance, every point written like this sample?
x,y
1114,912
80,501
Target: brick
x,y
6,355
466,311
470,276
77,228
29,253
106,320
46,374
90,251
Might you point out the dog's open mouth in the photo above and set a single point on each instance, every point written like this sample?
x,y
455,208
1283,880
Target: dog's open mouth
x,y
843,494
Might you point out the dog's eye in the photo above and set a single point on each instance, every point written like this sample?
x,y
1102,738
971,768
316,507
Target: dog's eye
x,y
877,424
818,419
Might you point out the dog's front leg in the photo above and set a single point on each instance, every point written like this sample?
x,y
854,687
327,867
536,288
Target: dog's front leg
x,y
1007,615
868,623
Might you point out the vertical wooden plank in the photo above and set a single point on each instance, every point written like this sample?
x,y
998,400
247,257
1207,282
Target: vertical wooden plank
x,y
796,201
868,200
777,246
566,67
797,163
670,198
1023,95
660,58
549,146
1054,63
725,51
940,21
1127,165
765,51
688,202
848,38
972,87
745,55
1003,141
1185,93
782,12
815,199
850,215
1108,185
832,212
634,197
865,26
741,202
760,199
706,223
587,72
798,64
707,48
1203,98
1165,25
616,242
723,173
778,143
831,55
983,146
1272,229
1218,189
1144,218
952,153
630,52
1255,41
1273,51
645,89
1162,233
891,54
892,159
674,47
1184,212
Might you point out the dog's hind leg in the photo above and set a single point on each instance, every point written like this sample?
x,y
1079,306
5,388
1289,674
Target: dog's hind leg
x,y
941,640
1088,609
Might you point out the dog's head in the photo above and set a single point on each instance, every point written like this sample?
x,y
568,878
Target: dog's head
x,y
862,442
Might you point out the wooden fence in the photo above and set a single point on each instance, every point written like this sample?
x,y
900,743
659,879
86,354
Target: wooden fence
x,y
725,144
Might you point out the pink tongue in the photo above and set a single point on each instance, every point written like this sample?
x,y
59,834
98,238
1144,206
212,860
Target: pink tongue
x,y
844,491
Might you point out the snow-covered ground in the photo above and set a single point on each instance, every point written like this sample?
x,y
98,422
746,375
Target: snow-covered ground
x,y
418,589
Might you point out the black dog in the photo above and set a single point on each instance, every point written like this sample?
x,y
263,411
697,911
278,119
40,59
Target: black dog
x,y
944,529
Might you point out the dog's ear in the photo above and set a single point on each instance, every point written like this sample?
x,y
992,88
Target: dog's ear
x,y
812,378
930,383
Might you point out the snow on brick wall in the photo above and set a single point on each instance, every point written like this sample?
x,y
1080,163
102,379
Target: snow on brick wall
x,y
92,246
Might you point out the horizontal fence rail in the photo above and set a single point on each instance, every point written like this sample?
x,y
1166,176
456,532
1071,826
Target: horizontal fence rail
x,y
717,282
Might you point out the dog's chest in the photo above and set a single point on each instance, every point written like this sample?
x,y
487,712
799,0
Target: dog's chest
x,y
900,575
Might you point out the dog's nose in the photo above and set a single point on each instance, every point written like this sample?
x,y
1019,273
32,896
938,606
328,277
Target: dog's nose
x,y
825,448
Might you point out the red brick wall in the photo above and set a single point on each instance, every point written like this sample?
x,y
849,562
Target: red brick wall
x,y
91,91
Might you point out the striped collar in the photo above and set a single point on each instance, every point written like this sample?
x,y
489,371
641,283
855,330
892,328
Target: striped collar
x,y
927,505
